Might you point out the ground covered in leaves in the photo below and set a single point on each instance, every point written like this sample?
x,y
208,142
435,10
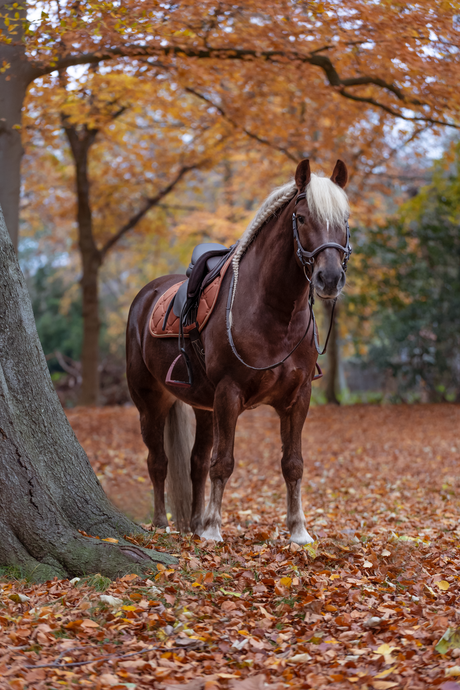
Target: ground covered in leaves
x,y
364,607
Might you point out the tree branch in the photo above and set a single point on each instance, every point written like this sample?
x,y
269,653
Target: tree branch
x,y
395,113
179,207
256,137
71,368
148,204
247,54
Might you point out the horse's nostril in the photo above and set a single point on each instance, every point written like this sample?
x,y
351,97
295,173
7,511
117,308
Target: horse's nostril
x,y
320,280
329,282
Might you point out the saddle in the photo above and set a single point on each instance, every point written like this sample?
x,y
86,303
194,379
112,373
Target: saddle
x,y
206,270
184,309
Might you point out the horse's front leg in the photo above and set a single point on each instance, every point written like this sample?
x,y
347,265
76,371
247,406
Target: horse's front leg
x,y
292,421
227,407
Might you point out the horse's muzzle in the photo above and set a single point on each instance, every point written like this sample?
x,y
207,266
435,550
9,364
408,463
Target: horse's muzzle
x,y
328,283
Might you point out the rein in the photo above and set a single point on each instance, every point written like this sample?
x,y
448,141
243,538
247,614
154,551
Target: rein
x,y
232,344
307,260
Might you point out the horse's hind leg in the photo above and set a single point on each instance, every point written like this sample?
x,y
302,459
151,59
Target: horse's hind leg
x,y
152,427
153,406
200,462
292,422
227,407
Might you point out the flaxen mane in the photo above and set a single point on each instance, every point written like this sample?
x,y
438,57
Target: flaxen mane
x,y
326,201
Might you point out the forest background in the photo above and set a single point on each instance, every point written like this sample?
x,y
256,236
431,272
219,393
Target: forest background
x,y
129,131
129,160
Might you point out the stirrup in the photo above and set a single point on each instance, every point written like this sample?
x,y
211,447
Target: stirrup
x,y
172,382
320,374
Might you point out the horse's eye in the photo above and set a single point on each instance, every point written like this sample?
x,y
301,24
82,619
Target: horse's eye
x,y
301,219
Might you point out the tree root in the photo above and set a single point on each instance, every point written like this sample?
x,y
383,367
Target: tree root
x,y
86,556
77,555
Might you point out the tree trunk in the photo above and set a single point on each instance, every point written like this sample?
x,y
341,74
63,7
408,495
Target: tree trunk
x,y
80,143
13,86
48,490
91,329
332,358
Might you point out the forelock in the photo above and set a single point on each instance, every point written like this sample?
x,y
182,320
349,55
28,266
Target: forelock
x,y
327,201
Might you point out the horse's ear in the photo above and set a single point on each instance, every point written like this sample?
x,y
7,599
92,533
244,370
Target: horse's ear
x,y
340,174
302,175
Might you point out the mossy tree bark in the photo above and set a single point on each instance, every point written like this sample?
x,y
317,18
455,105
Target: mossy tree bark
x,y
48,490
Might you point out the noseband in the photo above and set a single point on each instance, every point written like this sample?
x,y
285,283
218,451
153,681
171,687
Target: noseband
x,y
307,259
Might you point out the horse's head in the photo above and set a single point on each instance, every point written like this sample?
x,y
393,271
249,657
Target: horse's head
x,y
321,223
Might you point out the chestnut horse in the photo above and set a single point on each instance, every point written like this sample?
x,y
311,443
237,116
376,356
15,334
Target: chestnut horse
x,y
260,350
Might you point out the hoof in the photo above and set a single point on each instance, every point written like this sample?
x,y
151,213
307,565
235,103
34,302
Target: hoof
x,y
211,533
301,537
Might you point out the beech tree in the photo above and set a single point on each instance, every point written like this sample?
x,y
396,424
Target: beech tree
x,y
399,60
107,117
48,490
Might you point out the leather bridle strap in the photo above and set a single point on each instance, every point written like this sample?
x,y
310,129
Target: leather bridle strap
x,y
307,258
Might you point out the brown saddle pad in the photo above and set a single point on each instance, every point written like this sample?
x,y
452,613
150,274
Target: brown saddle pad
x,y
208,300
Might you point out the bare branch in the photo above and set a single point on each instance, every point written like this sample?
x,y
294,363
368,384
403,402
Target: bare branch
x,y
148,204
395,113
246,54
67,364
256,137
424,177
179,207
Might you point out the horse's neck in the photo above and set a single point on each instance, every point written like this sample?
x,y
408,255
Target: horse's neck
x,y
269,270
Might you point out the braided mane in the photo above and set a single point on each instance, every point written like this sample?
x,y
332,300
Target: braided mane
x,y
326,201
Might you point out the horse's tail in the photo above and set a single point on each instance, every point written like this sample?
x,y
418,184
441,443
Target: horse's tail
x,y
179,437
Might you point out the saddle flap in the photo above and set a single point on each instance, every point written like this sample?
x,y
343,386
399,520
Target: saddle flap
x,y
164,322
180,299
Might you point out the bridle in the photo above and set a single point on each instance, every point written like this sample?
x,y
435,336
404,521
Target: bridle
x,y
307,260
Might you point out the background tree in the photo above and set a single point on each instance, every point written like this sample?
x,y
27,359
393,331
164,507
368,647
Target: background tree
x,y
58,330
295,80
331,383
112,115
415,263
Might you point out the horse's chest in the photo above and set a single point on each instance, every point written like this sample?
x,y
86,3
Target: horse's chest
x,y
277,387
